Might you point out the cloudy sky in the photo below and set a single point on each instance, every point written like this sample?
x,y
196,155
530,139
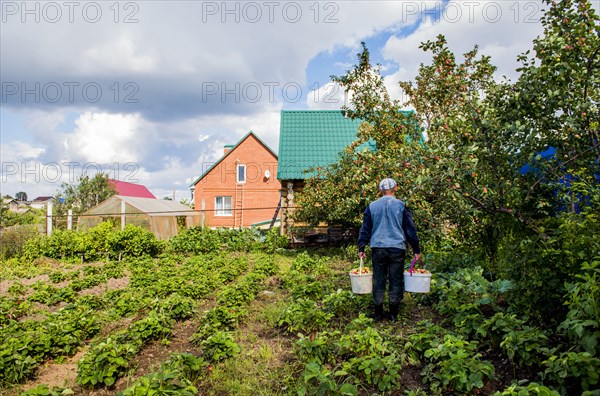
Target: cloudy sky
x,y
150,91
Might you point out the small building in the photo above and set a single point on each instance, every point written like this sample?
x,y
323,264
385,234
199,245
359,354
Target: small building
x,y
241,188
41,202
127,189
156,215
11,203
309,139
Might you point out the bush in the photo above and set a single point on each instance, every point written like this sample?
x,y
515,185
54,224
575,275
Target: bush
x,y
573,372
195,240
134,241
14,240
540,265
274,240
61,244
94,244
582,325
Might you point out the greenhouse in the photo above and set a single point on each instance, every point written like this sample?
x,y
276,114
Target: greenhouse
x,y
162,217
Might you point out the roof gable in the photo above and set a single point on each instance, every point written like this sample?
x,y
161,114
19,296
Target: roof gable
x,y
130,189
312,138
43,199
233,147
150,206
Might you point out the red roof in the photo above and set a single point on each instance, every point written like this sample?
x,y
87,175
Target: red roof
x,y
130,189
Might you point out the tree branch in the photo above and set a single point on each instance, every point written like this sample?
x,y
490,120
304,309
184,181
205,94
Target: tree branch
x,y
538,181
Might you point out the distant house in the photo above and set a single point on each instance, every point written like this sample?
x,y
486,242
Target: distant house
x,y
156,215
127,189
308,139
11,204
241,188
41,202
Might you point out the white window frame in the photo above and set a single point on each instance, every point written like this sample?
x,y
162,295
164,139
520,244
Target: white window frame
x,y
221,209
237,173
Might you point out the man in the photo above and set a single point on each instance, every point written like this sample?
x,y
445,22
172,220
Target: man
x,y
388,226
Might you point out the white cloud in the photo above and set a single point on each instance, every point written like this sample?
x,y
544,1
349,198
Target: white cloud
x,y
502,30
106,138
329,96
173,48
17,151
118,55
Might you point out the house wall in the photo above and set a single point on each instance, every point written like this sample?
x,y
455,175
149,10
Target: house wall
x,y
257,192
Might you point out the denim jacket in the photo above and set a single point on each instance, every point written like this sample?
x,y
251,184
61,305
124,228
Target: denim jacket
x,y
388,223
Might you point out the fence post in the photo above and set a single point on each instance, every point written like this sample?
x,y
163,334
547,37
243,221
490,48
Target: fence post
x,y
122,215
70,219
203,214
49,219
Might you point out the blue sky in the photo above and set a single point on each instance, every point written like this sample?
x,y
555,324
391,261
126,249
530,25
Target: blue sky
x,y
150,91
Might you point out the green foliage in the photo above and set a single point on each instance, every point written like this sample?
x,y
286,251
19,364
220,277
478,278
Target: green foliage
x,y
12,308
319,381
495,329
266,266
274,241
44,390
359,355
240,240
85,194
381,372
343,303
240,293
134,241
466,296
426,337
96,243
32,216
152,327
24,346
175,307
175,377
573,372
582,324
50,295
195,240
220,346
454,365
14,240
105,362
317,348
61,244
527,346
110,358
303,316
542,264
533,389
220,318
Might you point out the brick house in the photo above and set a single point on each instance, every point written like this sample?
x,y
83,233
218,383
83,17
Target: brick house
x,y
241,188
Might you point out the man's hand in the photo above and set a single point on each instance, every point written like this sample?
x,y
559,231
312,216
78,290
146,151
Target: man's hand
x,y
417,257
362,255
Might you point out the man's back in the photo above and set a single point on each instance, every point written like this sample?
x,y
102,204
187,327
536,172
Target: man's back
x,y
387,213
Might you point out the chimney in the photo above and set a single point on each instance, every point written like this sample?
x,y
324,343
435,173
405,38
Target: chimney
x,y
227,148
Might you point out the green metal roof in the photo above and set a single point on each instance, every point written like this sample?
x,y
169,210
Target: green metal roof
x,y
311,138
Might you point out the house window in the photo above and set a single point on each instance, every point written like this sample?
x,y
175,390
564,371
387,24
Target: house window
x,y
241,173
223,206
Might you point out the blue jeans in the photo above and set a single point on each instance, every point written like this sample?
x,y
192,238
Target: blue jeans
x,y
388,265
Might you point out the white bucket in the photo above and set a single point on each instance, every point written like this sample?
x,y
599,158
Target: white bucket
x,y
361,283
417,283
